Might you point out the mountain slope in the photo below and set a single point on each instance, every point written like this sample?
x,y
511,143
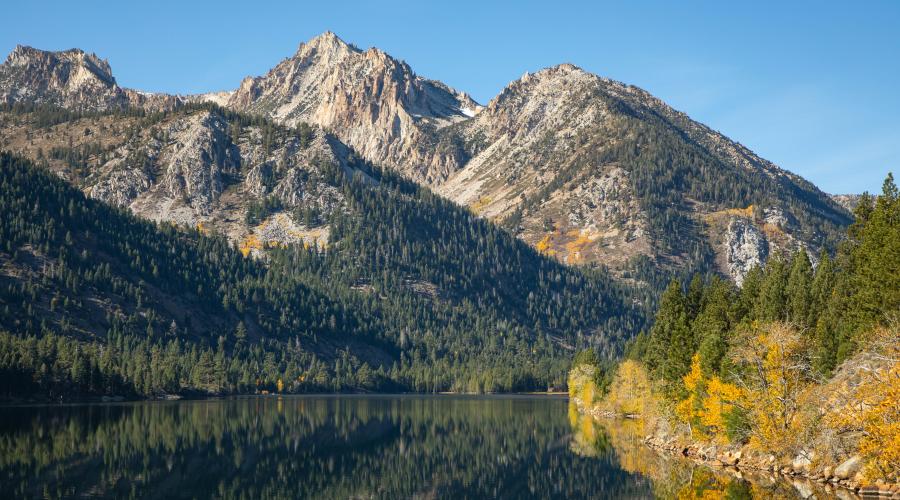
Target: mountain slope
x,y
592,170
198,166
412,293
586,169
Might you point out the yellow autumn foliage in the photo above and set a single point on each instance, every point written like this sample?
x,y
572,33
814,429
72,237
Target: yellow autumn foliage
x,y
688,410
543,246
879,417
582,386
480,204
721,398
707,403
731,212
777,381
872,408
782,406
631,392
251,242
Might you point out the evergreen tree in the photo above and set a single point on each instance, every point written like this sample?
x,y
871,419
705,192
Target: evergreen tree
x,y
671,344
798,290
822,316
694,297
771,303
749,293
712,325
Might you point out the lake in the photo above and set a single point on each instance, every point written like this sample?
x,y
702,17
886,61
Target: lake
x,y
346,447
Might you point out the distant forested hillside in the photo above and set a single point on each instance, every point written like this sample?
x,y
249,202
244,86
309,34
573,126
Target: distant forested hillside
x,y
411,293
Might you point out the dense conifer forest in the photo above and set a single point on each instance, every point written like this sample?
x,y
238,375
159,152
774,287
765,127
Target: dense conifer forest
x,y
411,294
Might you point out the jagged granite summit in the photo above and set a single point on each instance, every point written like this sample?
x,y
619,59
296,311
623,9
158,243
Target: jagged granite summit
x,y
371,101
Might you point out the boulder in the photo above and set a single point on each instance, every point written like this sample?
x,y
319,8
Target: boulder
x,y
802,461
849,467
804,489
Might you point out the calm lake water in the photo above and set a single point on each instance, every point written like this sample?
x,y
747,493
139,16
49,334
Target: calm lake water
x,y
345,447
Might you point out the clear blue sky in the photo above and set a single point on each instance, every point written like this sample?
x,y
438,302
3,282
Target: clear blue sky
x,y
813,86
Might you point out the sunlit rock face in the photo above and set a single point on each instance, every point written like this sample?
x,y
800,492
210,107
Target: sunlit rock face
x,y
195,168
371,101
745,247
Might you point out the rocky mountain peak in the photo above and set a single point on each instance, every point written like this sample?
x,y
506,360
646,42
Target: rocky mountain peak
x,y
583,167
72,79
575,163
54,76
327,48
68,62
370,100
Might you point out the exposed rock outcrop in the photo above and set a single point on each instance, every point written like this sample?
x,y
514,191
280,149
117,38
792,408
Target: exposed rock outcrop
x,y
848,201
745,247
201,155
194,168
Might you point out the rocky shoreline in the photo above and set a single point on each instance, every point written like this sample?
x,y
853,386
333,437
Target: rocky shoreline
x,y
844,478
845,475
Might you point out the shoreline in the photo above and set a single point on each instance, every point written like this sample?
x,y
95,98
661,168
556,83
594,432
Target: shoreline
x,y
34,402
733,460
720,457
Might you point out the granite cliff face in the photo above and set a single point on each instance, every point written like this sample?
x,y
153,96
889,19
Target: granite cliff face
x,y
745,247
371,101
533,160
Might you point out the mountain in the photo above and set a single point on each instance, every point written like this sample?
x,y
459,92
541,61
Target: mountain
x,y
592,170
585,169
371,101
198,166
363,227
71,79
848,201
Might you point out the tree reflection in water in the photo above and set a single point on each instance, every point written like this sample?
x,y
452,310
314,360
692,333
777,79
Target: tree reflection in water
x,y
676,477
334,447
340,447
